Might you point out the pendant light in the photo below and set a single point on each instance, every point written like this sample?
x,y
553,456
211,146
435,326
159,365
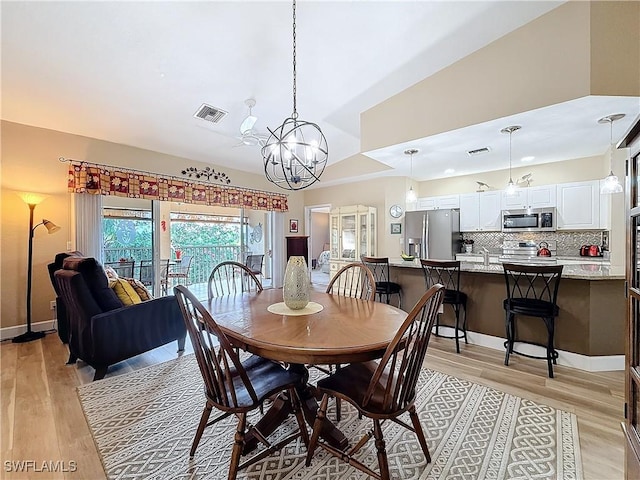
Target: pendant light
x,y
511,186
411,195
296,152
611,184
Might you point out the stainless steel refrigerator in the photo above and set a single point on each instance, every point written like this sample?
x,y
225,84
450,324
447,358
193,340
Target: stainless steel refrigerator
x,y
432,234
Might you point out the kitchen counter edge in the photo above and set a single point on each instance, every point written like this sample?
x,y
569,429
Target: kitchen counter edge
x,y
584,271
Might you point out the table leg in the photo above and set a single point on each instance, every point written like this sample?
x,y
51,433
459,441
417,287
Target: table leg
x,y
280,410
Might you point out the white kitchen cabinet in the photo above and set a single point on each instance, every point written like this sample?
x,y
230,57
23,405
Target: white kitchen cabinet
x,y
426,203
543,196
578,205
480,211
438,202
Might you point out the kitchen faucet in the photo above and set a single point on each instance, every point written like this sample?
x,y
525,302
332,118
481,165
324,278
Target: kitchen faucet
x,y
485,256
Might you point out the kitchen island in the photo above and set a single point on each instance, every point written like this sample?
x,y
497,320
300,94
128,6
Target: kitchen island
x,y
590,297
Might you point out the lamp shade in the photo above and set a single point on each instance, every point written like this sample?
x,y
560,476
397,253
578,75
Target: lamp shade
x,y
50,226
31,198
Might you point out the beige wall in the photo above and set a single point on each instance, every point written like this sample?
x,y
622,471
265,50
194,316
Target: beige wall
x,y
30,162
577,49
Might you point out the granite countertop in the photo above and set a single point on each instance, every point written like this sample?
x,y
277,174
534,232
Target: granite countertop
x,y
587,270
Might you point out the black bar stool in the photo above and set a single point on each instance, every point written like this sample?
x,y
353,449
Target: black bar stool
x,y
379,266
447,273
532,290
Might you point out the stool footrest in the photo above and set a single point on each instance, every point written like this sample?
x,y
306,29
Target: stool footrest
x,y
553,356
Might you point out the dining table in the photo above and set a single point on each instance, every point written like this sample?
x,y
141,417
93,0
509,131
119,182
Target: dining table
x,y
331,330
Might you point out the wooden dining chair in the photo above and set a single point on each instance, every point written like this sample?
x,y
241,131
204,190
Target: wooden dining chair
x,y
235,387
353,280
385,389
232,278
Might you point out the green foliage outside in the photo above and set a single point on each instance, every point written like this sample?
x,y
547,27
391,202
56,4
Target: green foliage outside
x,y
194,234
120,233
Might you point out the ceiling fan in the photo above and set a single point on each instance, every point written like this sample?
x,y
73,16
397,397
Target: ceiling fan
x,y
248,135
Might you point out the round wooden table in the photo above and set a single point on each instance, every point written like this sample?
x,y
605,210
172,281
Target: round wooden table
x,y
346,330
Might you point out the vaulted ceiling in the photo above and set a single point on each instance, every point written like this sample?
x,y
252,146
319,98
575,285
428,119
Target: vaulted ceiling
x,y
135,73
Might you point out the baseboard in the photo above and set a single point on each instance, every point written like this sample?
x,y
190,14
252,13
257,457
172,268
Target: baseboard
x,y
8,333
602,363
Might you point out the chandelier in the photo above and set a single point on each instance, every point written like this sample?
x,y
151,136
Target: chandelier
x,y
296,152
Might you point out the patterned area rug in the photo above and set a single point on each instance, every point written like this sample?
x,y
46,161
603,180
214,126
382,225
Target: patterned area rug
x,y
143,424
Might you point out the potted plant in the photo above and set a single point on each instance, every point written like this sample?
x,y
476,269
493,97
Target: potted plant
x,y
468,245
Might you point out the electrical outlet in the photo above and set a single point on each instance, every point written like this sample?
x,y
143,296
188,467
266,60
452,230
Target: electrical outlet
x,y
69,246
52,305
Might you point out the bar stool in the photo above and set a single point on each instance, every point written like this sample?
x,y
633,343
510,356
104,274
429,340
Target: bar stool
x,y
447,273
532,290
379,266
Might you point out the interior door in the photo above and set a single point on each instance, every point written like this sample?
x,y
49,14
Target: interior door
x,y
631,426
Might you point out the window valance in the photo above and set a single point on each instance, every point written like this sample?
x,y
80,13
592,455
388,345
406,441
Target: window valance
x,y
122,182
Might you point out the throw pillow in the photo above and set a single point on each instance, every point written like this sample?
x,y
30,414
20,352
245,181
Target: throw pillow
x,y
140,289
125,292
111,273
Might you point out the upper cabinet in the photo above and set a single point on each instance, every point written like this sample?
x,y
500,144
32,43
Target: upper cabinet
x,y
530,197
480,211
438,202
579,206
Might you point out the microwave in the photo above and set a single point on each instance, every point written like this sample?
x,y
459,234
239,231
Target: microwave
x,y
529,220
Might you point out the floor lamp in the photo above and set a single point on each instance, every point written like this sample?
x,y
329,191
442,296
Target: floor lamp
x,y
32,199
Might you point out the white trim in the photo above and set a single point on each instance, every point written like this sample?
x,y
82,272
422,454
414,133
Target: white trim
x,y
600,363
7,333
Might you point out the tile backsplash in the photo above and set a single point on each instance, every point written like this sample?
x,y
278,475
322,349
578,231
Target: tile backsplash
x,y
568,243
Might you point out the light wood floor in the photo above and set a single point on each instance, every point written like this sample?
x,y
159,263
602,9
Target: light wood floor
x,y
42,419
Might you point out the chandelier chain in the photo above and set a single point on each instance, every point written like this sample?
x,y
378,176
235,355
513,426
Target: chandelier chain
x,y
294,115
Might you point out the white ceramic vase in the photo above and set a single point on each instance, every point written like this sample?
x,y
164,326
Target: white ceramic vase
x,y
468,248
295,292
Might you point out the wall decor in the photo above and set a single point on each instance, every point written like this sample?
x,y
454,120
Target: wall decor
x,y
207,173
396,228
293,226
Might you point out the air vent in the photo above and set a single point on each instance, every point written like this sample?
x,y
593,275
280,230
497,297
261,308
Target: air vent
x,y
478,151
210,114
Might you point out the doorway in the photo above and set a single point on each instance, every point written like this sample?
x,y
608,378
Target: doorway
x,y
317,228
